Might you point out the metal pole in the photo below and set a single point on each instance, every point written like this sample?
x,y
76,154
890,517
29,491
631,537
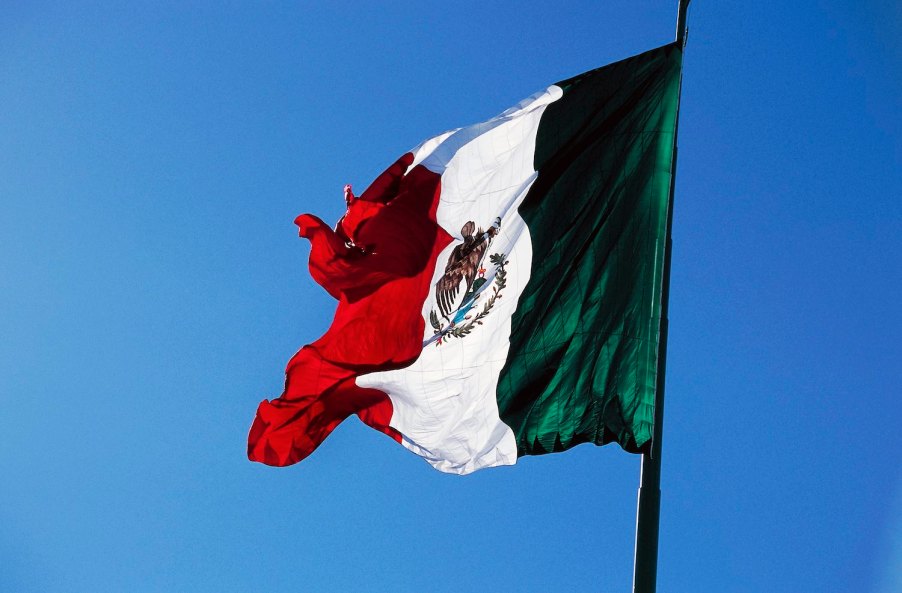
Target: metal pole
x,y
681,22
645,570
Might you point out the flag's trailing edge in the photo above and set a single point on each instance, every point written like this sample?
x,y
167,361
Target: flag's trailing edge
x,y
499,287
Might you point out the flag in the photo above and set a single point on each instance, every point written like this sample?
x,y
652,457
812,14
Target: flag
x,y
499,286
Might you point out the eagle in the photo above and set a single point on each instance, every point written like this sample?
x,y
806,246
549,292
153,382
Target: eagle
x,y
463,264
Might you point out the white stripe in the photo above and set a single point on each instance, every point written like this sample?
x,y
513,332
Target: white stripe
x,y
445,404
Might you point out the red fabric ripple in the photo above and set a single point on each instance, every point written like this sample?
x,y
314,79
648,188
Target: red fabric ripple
x,y
378,263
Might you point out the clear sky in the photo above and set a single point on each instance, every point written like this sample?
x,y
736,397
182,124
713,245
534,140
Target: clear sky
x,y
152,287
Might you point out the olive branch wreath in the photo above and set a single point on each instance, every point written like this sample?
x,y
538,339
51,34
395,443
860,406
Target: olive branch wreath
x,y
460,331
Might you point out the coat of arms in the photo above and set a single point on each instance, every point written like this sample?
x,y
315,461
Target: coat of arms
x,y
465,273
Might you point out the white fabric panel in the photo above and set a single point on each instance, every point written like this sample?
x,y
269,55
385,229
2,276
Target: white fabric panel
x,y
444,404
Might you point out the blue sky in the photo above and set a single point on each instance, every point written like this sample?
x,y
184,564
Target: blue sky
x,y
152,287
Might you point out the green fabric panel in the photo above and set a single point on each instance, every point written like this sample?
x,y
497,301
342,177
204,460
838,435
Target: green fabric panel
x,y
584,340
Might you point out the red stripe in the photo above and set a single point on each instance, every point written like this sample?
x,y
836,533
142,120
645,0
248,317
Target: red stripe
x,y
379,265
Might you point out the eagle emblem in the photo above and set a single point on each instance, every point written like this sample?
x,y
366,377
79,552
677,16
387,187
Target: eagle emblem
x,y
463,283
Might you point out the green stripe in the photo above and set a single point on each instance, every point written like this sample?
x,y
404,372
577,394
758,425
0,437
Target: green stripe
x,y
582,362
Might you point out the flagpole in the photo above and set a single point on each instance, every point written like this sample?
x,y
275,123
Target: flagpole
x,y
648,509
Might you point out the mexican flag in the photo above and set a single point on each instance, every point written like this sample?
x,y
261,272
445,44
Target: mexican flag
x,y
499,286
